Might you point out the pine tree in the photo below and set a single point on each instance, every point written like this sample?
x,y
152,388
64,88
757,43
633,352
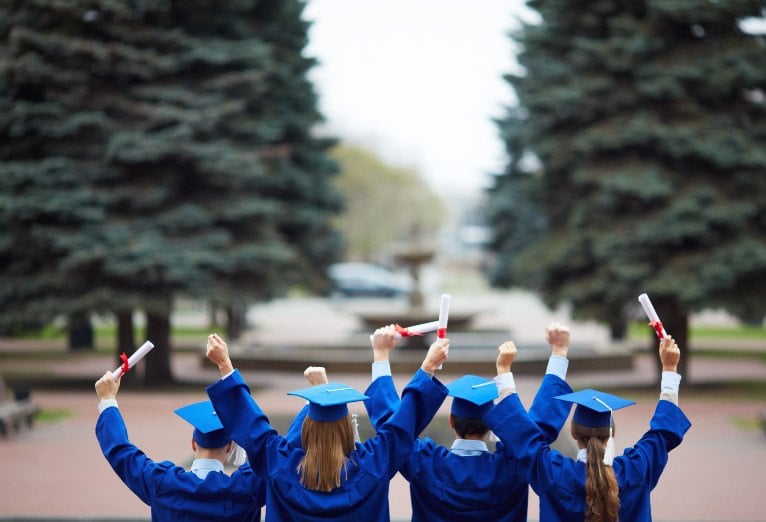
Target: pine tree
x,y
196,118
514,206
648,118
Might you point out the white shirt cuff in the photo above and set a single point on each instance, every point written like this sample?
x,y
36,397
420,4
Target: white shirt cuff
x,y
558,365
505,381
228,374
669,386
106,403
380,369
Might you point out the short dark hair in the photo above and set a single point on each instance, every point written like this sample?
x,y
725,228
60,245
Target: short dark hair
x,y
469,426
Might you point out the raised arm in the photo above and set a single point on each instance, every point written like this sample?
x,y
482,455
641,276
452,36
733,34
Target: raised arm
x,y
506,354
668,425
315,375
670,354
383,398
243,420
550,414
133,467
421,399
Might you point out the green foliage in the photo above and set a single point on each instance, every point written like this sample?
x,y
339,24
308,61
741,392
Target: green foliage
x,y
384,204
156,149
648,120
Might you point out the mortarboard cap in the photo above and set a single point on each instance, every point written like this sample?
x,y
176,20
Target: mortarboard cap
x,y
327,402
208,430
594,408
473,396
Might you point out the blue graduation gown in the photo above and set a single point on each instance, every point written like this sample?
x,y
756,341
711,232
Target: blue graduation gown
x,y
560,480
363,493
445,486
172,492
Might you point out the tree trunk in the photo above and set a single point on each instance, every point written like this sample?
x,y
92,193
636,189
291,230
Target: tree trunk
x,y
126,342
80,332
676,322
235,321
157,363
618,328
212,311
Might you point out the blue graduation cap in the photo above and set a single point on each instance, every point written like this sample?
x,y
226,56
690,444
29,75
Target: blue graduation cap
x,y
472,396
327,402
594,408
208,430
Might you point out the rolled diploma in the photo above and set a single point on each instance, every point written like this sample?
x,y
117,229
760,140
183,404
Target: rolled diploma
x,y
420,329
651,313
133,359
417,329
441,332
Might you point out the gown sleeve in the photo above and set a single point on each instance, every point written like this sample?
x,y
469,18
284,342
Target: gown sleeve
x,y
242,418
395,438
140,473
549,413
524,441
293,434
383,400
648,457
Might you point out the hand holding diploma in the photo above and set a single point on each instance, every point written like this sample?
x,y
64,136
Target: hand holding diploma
x,y
654,319
418,329
107,387
128,363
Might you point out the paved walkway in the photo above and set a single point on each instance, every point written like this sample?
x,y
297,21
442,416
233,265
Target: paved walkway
x,y
56,468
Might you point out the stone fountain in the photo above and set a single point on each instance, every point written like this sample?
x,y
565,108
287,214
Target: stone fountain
x,y
413,256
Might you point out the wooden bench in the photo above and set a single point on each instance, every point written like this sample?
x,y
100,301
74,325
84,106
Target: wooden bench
x,y
14,412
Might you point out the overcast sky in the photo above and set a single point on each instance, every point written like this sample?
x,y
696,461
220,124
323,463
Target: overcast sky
x,y
417,81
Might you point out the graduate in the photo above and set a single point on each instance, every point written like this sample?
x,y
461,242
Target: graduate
x,y
205,492
467,481
597,486
328,477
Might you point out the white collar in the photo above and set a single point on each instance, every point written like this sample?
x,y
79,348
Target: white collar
x,y
469,445
201,467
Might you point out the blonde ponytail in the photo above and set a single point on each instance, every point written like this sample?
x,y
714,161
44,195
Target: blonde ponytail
x,y
327,445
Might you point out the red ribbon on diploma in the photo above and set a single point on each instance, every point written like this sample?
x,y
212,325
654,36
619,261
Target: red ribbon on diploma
x,y
441,333
658,328
404,332
124,359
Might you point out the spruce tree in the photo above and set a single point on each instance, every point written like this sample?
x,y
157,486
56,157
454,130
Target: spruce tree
x,y
197,120
648,118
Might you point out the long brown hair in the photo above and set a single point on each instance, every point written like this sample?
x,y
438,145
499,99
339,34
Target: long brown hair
x,y
601,488
327,445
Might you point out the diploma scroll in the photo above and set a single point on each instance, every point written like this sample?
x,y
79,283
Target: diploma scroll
x,y
418,329
651,313
441,332
133,359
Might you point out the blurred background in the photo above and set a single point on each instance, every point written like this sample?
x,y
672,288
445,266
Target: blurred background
x,y
169,168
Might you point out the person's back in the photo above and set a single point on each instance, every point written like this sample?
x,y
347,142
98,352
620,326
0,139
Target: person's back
x,y
445,485
205,492
467,481
358,490
597,486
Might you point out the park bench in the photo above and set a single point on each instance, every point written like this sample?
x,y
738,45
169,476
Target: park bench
x,y
14,411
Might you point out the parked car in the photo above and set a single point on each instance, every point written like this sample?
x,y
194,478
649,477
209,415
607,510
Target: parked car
x,y
366,280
